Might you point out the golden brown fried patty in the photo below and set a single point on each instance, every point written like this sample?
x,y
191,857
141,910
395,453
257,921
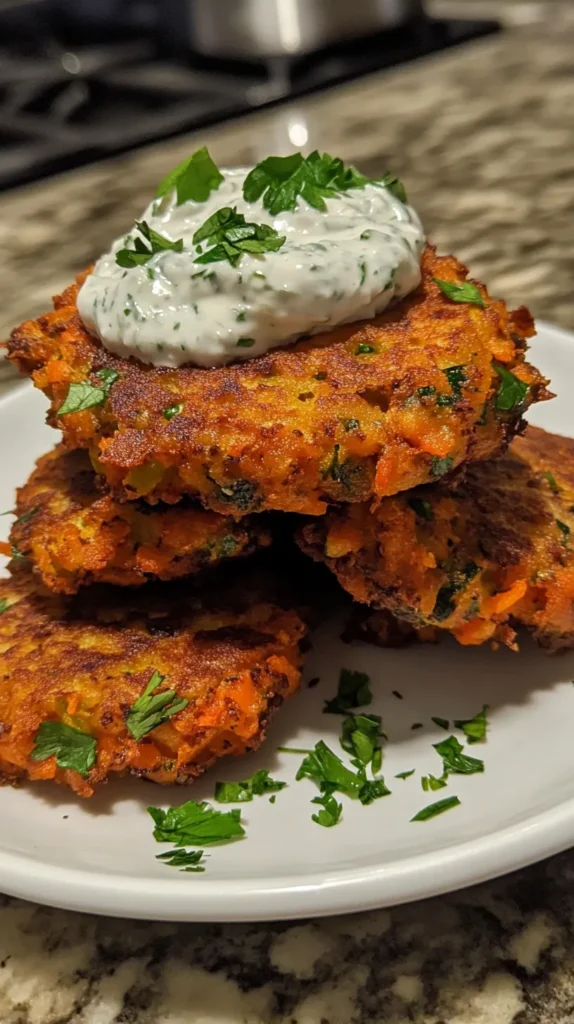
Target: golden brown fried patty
x,y
229,650
75,535
368,409
472,555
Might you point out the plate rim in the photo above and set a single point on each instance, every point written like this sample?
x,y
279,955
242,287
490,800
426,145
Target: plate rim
x,y
286,897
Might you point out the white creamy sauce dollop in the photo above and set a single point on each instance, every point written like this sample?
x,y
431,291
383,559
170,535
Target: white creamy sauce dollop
x,y
336,266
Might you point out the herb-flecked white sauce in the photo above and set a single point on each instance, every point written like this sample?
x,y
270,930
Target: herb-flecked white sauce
x,y
335,267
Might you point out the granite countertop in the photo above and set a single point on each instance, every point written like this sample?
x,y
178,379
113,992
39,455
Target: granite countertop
x,y
484,139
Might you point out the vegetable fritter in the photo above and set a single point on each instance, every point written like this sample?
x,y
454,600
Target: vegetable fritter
x,y
475,555
156,682
368,409
76,535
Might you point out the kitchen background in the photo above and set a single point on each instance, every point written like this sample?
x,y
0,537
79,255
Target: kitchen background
x,y
482,132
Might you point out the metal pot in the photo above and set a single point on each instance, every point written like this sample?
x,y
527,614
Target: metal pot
x,y
255,29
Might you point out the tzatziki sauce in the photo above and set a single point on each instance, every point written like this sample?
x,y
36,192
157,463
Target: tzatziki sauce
x,y
336,266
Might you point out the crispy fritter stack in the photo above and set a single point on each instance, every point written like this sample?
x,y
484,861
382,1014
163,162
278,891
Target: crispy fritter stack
x,y
382,430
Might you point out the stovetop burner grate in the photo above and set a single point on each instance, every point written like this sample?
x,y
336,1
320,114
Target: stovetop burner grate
x,y
63,107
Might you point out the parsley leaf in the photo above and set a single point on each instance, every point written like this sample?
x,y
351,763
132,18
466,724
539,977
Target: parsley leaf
x,y
194,178
443,722
373,789
27,516
364,349
431,782
459,579
153,709
456,377
324,767
550,479
185,860
331,811
564,530
196,824
453,759
422,508
405,775
172,410
71,748
474,728
461,292
360,735
232,236
353,692
243,792
438,808
4,606
438,466
512,391
281,180
144,250
84,395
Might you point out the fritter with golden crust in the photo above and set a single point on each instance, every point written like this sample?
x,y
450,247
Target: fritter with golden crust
x,y
228,654
473,556
368,409
75,535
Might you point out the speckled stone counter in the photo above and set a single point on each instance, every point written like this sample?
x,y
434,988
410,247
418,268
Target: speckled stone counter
x,y
484,139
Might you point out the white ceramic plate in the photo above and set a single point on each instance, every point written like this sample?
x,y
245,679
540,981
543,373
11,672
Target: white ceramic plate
x,y
99,855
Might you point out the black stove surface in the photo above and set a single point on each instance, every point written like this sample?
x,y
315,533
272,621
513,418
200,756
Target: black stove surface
x,y
64,104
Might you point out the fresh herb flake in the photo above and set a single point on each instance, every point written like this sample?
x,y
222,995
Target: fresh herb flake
x,y
431,782
185,860
422,508
437,808
454,761
512,391
196,824
146,245
353,692
360,735
405,775
172,410
194,178
153,709
4,605
463,291
260,784
229,236
83,395
475,729
363,349
440,466
71,747
550,479
330,813
443,722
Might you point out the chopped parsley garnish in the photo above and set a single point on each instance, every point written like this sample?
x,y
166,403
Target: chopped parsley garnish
x,y
512,391
16,554
185,860
405,775
240,493
196,824
294,750
326,769
330,812
172,410
351,425
417,725
27,516
443,722
474,728
4,605
427,391
461,292
373,789
84,395
353,692
260,784
194,178
422,508
363,349
363,269
71,747
549,477
145,247
440,466
431,782
564,530
398,695
456,377
454,760
245,342
153,709
360,735
444,604
281,180
229,236
438,808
